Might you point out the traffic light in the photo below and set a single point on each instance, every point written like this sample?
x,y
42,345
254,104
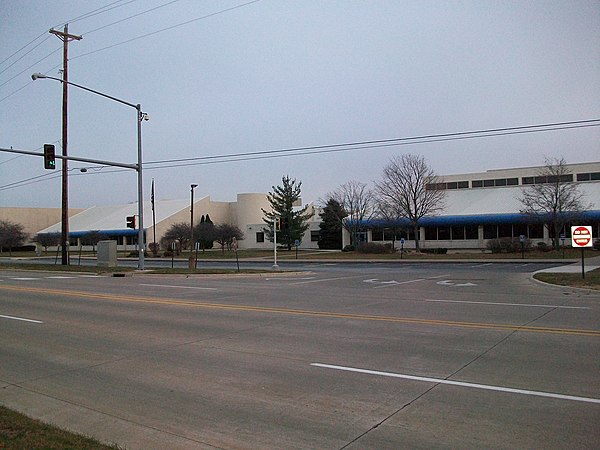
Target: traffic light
x,y
131,222
49,161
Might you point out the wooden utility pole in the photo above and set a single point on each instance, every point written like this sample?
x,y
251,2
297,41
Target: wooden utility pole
x,y
64,236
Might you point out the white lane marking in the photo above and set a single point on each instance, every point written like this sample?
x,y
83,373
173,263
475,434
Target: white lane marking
x,y
288,279
399,282
25,279
461,383
60,277
21,319
324,279
180,287
452,283
507,304
92,276
481,265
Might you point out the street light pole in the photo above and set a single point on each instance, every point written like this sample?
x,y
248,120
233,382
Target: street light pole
x,y
192,187
140,117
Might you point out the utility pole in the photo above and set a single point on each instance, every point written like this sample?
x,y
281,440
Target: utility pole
x,y
64,236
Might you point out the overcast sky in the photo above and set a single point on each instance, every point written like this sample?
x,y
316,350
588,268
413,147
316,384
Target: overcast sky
x,y
279,74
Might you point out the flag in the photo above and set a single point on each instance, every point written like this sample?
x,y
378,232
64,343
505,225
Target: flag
x,y
152,195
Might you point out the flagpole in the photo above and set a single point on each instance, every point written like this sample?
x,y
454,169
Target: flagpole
x,y
153,217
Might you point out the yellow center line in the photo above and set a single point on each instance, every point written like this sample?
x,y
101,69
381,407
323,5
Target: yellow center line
x,y
300,312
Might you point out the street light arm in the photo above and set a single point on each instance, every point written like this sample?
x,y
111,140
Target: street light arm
x,y
35,76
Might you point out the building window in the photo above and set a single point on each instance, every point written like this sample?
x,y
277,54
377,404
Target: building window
x,y
315,235
377,234
477,183
594,176
505,231
472,232
536,231
458,233
520,229
528,180
500,182
463,184
512,181
488,183
490,231
431,233
260,236
444,233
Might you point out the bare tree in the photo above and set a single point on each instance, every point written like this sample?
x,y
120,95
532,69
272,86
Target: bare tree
x,y
390,214
11,235
225,233
178,232
47,239
406,186
554,198
358,202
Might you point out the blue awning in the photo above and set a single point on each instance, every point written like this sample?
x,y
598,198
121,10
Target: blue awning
x,y
477,219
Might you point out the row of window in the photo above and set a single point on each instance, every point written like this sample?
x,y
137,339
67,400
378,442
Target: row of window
x,y
592,176
463,233
542,179
513,181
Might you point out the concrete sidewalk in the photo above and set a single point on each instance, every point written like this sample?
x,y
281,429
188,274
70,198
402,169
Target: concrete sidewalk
x,y
589,265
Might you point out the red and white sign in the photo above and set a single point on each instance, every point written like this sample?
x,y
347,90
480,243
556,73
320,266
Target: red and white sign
x,y
581,236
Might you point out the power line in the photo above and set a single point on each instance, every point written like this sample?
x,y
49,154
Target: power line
x,y
165,29
23,56
131,17
335,148
399,141
123,42
97,11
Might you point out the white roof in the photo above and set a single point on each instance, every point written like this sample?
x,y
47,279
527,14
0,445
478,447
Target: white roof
x,y
115,217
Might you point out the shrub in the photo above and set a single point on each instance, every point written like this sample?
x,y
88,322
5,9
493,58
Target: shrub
x,y
543,247
435,251
154,248
372,247
597,244
348,248
507,245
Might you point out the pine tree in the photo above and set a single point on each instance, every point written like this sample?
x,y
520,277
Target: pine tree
x,y
294,222
330,235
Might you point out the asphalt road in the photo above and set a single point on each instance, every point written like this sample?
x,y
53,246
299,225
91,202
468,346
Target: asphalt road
x,y
473,355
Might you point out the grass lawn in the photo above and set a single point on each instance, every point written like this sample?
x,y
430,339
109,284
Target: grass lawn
x,y
20,432
591,280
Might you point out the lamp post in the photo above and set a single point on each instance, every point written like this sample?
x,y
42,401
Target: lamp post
x,y
192,187
140,117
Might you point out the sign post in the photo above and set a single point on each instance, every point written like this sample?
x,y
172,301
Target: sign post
x,y
581,236
522,239
401,247
234,245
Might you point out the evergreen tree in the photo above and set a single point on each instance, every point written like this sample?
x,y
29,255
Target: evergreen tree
x,y
294,222
204,233
330,235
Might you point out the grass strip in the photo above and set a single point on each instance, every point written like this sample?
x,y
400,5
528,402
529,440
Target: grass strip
x,y
19,432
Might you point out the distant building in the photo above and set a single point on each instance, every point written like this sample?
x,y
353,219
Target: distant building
x,y
478,207
484,206
110,221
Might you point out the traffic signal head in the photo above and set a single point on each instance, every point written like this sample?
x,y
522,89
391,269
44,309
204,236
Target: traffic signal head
x,y
49,158
131,222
